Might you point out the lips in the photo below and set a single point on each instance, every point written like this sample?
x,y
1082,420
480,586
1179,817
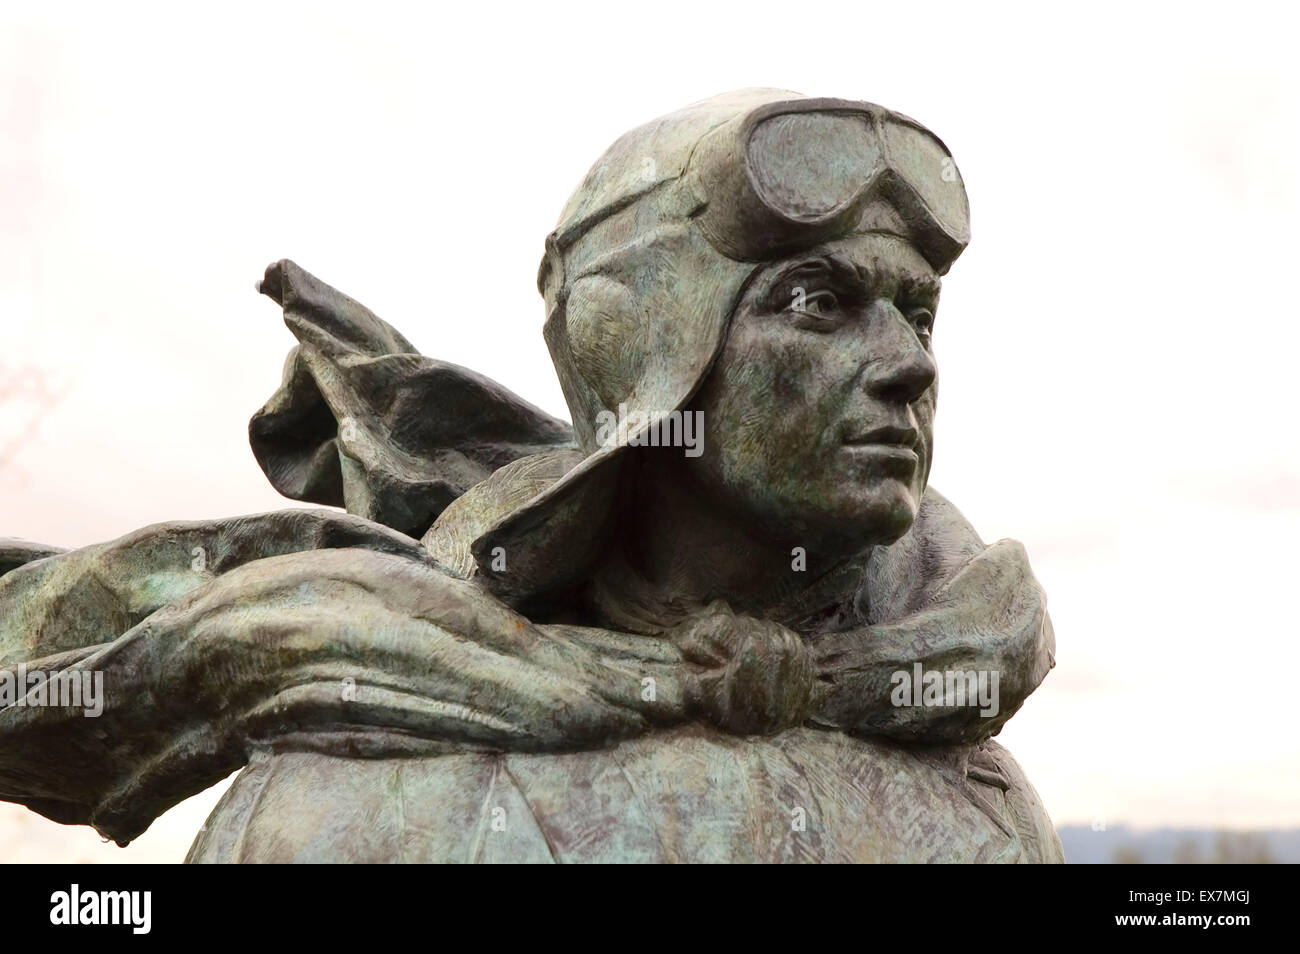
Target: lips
x,y
887,451
886,437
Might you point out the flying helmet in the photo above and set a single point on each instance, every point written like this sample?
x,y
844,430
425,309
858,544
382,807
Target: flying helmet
x,y
650,258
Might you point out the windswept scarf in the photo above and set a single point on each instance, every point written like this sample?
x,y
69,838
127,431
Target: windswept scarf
x,y
340,633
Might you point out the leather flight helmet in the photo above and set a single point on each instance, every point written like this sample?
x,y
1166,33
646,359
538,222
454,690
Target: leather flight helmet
x,y
652,253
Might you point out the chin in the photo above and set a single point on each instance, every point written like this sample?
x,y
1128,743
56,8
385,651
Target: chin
x,y
847,513
882,517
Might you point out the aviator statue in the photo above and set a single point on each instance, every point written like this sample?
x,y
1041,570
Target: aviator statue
x,y
718,617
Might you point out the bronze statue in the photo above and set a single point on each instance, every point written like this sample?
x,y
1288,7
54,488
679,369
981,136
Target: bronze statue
x,y
719,617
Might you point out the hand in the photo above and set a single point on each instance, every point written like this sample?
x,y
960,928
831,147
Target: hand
x,y
757,675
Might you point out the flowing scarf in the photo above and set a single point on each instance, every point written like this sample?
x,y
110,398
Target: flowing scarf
x,y
340,633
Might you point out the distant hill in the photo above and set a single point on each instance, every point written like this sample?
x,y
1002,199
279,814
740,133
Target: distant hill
x,y
1123,845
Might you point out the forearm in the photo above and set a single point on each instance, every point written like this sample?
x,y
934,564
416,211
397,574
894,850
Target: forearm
x,y
348,652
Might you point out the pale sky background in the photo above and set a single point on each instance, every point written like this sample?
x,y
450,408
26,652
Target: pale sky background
x,y
1117,346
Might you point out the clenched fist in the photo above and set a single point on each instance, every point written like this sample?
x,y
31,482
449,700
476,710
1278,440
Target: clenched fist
x,y
756,676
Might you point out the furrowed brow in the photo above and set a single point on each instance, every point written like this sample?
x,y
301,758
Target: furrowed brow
x,y
909,283
920,287
838,269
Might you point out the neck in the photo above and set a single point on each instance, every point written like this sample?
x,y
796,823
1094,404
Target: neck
x,y
691,549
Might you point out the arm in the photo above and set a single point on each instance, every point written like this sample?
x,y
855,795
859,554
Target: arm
x,y
343,638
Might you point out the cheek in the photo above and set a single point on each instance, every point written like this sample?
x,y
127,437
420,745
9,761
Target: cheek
x,y
774,391
924,410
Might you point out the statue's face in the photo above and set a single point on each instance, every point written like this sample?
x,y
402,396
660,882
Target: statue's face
x,y
818,413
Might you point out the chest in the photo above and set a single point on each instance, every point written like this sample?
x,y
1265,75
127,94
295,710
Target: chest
x,y
688,795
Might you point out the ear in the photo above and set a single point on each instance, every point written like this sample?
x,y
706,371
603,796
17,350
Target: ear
x,y
608,335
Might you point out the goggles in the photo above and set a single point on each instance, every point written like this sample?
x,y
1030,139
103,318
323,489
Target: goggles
x,y
797,173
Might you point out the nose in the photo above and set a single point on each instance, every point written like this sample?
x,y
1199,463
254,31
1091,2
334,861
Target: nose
x,y
899,369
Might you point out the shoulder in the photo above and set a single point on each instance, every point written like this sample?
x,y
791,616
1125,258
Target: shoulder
x,y
504,491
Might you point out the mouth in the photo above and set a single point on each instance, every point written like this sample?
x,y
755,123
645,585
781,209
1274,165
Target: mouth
x,y
899,438
892,448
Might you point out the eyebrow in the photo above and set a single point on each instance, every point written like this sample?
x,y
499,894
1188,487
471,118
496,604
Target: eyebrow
x,y
834,265
919,286
841,269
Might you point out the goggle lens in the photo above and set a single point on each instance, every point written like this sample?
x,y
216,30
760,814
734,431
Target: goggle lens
x,y
927,169
808,166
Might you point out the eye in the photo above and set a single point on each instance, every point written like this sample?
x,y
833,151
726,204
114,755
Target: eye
x,y
817,309
922,321
823,303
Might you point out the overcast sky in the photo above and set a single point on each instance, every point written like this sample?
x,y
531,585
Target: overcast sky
x,y
1117,347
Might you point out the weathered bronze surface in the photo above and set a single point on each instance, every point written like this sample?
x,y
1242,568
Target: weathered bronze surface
x,y
719,617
